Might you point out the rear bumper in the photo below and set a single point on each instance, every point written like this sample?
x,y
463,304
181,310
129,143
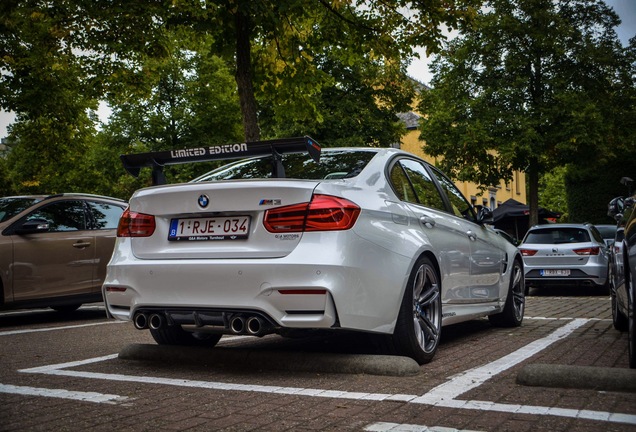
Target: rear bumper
x,y
313,287
577,277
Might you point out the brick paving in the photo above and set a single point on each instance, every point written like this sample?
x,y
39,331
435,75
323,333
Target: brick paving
x,y
157,406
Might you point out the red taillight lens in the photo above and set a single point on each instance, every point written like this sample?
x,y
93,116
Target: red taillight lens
x,y
132,224
588,251
323,213
527,252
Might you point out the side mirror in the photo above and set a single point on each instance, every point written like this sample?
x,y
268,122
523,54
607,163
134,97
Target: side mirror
x,y
615,207
33,226
484,216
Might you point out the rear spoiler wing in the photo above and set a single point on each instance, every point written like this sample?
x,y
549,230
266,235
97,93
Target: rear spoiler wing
x,y
157,160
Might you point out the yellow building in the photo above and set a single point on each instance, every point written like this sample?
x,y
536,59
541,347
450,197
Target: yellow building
x,y
492,197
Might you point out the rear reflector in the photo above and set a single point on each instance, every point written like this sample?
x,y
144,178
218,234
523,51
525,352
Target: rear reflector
x,y
527,252
115,289
323,213
588,251
303,291
133,224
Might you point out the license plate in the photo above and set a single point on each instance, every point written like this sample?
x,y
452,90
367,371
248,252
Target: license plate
x,y
555,272
209,229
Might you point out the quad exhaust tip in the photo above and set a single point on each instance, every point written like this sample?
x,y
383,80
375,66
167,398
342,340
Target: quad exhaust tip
x,y
237,324
156,321
141,321
252,325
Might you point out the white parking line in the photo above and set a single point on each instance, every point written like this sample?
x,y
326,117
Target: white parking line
x,y
45,329
63,394
475,377
396,427
444,395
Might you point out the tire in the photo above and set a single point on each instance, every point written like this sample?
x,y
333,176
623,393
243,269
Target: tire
x,y
512,313
618,319
175,335
631,299
419,324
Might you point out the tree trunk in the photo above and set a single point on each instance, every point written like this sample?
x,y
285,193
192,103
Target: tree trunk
x,y
244,77
533,191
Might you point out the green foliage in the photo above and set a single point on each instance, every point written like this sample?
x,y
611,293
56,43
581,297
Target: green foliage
x,y
189,100
186,73
552,193
531,85
590,188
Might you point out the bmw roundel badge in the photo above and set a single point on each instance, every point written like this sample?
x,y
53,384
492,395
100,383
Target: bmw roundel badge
x,y
204,201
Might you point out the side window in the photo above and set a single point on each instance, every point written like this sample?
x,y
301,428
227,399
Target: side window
x,y
62,216
105,216
401,184
461,207
421,185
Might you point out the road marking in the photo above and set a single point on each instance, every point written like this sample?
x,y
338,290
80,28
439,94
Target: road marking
x,y
443,395
396,427
63,394
45,329
475,377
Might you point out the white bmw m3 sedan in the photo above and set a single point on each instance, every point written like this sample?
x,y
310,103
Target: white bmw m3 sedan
x,y
294,237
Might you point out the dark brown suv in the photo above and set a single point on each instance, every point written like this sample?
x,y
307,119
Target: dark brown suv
x,y
54,249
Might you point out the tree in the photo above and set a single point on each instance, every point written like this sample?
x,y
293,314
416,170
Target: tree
x,y
185,99
273,44
46,84
294,63
531,85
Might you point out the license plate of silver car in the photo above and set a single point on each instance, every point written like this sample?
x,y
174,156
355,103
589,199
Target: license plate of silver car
x,y
209,229
555,272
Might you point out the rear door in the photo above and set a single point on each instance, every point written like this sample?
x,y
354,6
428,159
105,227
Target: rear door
x,y
414,186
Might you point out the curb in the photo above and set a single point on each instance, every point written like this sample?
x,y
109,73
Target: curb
x,y
274,360
578,377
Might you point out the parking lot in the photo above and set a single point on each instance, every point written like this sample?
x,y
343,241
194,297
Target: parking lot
x,y
84,372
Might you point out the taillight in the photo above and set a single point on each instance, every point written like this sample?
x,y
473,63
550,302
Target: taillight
x,y
588,251
133,224
527,252
323,213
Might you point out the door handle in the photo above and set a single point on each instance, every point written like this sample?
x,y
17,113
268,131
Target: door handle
x,y
471,235
81,245
427,221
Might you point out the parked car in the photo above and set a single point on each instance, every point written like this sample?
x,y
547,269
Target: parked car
x,y
565,254
608,232
623,291
373,240
54,249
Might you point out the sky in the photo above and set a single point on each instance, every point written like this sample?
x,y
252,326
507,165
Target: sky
x,y
626,10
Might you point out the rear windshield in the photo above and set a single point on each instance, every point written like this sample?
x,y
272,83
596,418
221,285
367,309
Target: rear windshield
x,y
557,236
333,165
10,207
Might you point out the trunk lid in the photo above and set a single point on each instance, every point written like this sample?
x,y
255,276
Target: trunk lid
x,y
222,220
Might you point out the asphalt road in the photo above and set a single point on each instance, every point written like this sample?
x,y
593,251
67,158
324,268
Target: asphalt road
x,y
564,369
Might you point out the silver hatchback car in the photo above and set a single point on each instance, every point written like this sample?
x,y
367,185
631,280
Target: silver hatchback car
x,y
565,254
